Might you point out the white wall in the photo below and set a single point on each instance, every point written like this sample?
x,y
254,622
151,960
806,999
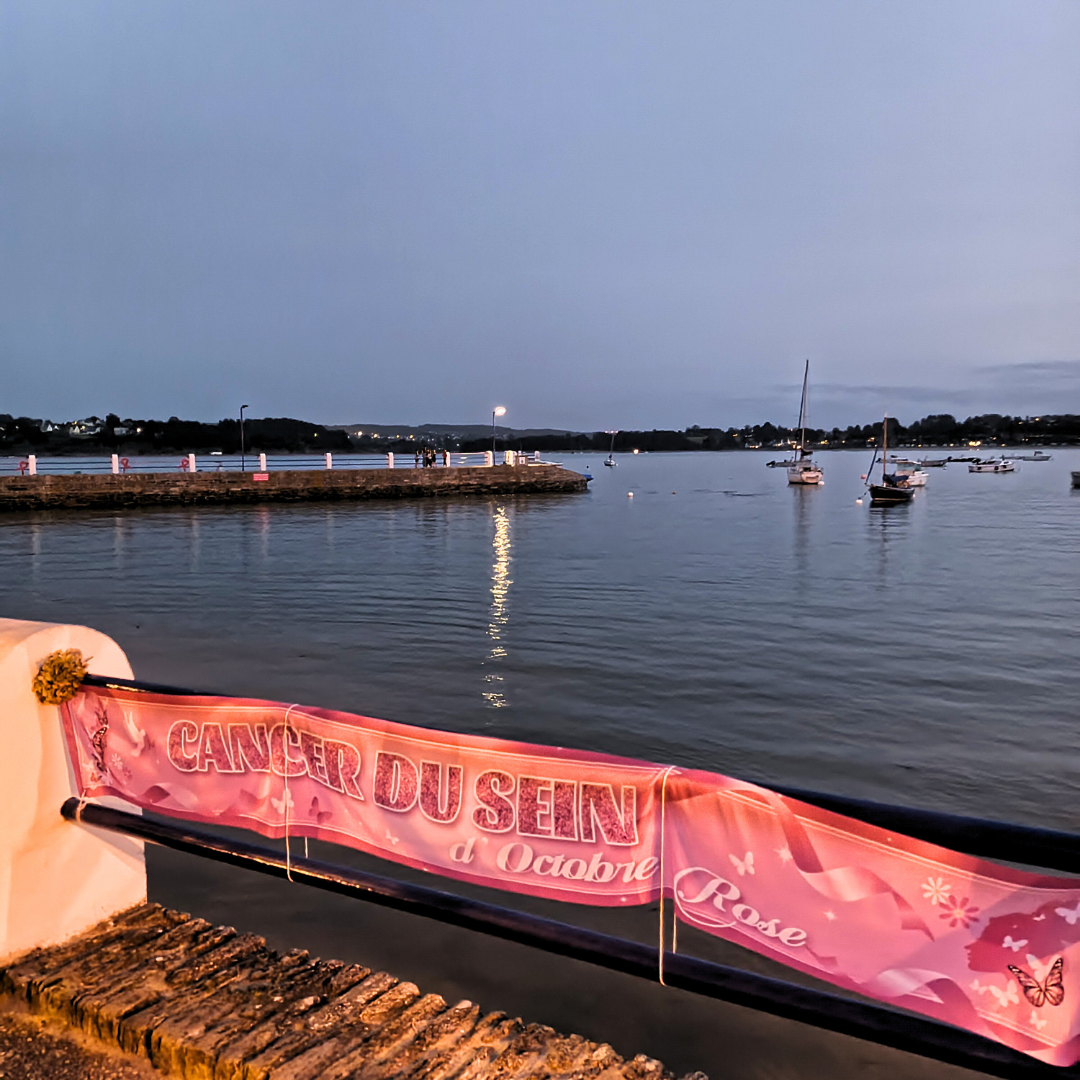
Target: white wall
x,y
56,878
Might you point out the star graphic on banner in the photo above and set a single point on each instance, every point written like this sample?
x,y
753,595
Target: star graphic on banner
x,y
830,915
785,854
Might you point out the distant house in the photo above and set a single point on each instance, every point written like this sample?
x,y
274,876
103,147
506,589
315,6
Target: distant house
x,y
81,428
121,431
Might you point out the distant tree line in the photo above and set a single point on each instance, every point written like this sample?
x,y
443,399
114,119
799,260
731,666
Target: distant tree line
x,y
937,430
113,435
21,435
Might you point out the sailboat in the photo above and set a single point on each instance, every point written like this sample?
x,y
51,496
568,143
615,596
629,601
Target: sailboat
x,y
893,489
611,463
801,469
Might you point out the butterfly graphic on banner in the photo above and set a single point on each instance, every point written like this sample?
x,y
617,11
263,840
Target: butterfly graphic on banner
x,y
745,865
1070,915
1039,993
1004,997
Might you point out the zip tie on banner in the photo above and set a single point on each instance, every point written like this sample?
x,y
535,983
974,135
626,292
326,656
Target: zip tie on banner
x,y
663,811
288,797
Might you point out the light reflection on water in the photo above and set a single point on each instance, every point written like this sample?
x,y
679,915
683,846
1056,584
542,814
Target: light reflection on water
x,y
923,654
500,596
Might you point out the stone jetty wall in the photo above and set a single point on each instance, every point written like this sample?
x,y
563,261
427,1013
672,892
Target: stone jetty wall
x,y
204,1002
88,491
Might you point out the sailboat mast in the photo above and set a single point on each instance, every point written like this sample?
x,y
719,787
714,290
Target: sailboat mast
x,y
802,409
884,445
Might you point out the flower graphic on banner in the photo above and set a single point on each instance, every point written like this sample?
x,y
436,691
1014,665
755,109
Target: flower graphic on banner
x,y
936,891
958,913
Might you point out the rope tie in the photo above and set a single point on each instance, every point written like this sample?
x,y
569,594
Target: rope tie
x,y
288,797
663,832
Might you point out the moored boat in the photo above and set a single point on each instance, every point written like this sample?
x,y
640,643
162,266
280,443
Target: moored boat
x,y
910,471
802,469
994,465
893,490
611,462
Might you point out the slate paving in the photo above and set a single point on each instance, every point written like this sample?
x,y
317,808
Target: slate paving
x,y
205,1002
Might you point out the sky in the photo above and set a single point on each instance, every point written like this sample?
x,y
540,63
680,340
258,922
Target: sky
x,y
596,214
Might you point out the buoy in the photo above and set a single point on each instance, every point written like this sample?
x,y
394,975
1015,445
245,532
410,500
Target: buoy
x,y
863,477
629,494
858,502
674,493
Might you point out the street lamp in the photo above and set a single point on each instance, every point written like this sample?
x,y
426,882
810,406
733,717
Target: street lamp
x,y
243,460
499,410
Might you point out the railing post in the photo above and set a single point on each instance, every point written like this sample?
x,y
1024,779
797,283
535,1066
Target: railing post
x,y
536,455
262,463
116,464
489,458
389,461
508,457
329,461
191,463
32,468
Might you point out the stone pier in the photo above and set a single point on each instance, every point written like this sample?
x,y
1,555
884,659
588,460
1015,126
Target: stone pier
x,y
93,491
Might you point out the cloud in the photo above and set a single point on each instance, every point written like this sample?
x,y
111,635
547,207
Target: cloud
x,y
1052,372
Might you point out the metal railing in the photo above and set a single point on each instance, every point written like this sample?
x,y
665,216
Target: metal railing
x,y
100,465
861,1019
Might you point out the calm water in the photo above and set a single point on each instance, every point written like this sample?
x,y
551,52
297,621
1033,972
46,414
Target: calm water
x,y
924,654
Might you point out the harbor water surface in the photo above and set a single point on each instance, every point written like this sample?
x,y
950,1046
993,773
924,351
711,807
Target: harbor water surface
x,y
922,654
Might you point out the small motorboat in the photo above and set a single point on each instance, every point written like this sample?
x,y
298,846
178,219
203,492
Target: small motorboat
x,y
933,463
910,471
1076,479
994,465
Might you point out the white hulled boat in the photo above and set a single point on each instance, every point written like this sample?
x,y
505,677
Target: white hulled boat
x,y
802,469
996,466
905,469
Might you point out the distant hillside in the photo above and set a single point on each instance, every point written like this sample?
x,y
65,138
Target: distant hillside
x,y
453,431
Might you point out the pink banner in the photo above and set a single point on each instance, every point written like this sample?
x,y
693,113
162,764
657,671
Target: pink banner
x,y
965,941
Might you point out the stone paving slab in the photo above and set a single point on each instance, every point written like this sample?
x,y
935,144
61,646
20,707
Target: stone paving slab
x,y
204,1002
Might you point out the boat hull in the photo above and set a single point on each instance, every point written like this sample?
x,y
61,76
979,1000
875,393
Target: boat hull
x,y
887,495
992,467
796,475
914,478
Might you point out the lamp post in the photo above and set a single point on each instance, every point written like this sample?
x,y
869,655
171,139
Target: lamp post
x,y
499,410
243,459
